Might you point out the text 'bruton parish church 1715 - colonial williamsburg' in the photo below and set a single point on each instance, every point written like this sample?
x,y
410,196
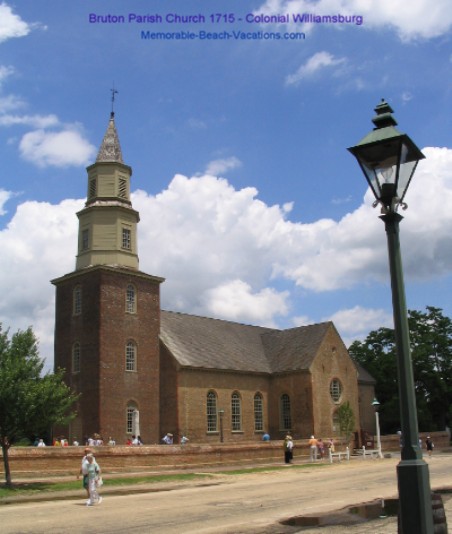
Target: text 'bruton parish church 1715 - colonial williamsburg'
x,y
184,374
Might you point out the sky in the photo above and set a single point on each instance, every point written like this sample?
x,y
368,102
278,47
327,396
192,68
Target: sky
x,y
235,117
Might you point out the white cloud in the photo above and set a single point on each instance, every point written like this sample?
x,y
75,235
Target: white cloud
x,y
423,19
11,103
36,121
236,301
59,149
218,167
315,63
4,197
38,244
226,253
11,25
5,72
42,147
357,322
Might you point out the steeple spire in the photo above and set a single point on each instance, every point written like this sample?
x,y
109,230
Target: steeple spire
x,y
110,149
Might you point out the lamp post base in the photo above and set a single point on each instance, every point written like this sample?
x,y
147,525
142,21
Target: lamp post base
x,y
415,500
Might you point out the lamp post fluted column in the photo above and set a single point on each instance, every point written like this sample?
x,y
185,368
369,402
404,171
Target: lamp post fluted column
x,y
412,471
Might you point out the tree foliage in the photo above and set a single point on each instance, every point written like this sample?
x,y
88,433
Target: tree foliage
x,y
346,419
431,353
30,403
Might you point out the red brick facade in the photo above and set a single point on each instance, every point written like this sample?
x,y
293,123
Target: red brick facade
x,y
102,329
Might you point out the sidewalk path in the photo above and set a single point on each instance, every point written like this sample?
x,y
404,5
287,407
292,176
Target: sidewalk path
x,y
240,504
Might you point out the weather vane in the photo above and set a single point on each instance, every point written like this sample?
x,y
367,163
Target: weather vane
x,y
113,93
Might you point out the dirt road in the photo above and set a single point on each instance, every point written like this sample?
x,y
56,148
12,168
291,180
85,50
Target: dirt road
x,y
251,503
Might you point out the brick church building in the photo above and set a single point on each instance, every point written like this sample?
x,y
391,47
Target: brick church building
x,y
210,379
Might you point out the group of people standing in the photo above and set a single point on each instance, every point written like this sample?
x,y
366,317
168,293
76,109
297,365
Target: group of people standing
x,y
316,448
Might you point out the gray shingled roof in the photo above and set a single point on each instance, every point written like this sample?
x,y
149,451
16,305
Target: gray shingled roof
x,y
200,342
294,349
364,377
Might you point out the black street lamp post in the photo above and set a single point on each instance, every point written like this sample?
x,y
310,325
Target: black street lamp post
x,y
388,160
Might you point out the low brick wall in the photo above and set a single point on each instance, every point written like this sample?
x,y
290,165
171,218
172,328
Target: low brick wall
x,y
42,461
32,461
441,441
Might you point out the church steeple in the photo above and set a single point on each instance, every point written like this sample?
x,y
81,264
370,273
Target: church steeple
x,y
110,149
108,224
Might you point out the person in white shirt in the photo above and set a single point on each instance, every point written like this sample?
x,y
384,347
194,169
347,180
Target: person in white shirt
x,y
84,470
168,439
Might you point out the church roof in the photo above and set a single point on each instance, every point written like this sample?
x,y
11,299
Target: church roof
x,y
364,377
294,349
204,343
110,149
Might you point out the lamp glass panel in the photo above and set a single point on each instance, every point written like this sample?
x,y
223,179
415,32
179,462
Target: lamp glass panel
x,y
408,164
379,163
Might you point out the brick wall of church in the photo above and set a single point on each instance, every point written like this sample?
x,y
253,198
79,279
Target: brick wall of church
x,y
297,385
103,330
333,362
84,330
118,387
193,387
367,418
168,395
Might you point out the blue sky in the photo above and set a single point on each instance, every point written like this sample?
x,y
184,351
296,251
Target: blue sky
x,y
251,207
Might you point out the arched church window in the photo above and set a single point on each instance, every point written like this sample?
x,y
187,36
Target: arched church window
x,y
335,389
76,358
77,300
258,413
286,418
131,306
130,414
236,412
336,426
131,356
212,419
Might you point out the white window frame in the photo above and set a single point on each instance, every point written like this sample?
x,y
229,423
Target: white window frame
x,y
131,356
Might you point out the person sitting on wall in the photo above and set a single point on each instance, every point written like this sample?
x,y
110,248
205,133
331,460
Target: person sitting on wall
x,y
168,439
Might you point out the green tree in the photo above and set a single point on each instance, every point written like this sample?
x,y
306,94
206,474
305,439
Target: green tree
x,y
29,401
431,349
346,419
377,355
431,352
